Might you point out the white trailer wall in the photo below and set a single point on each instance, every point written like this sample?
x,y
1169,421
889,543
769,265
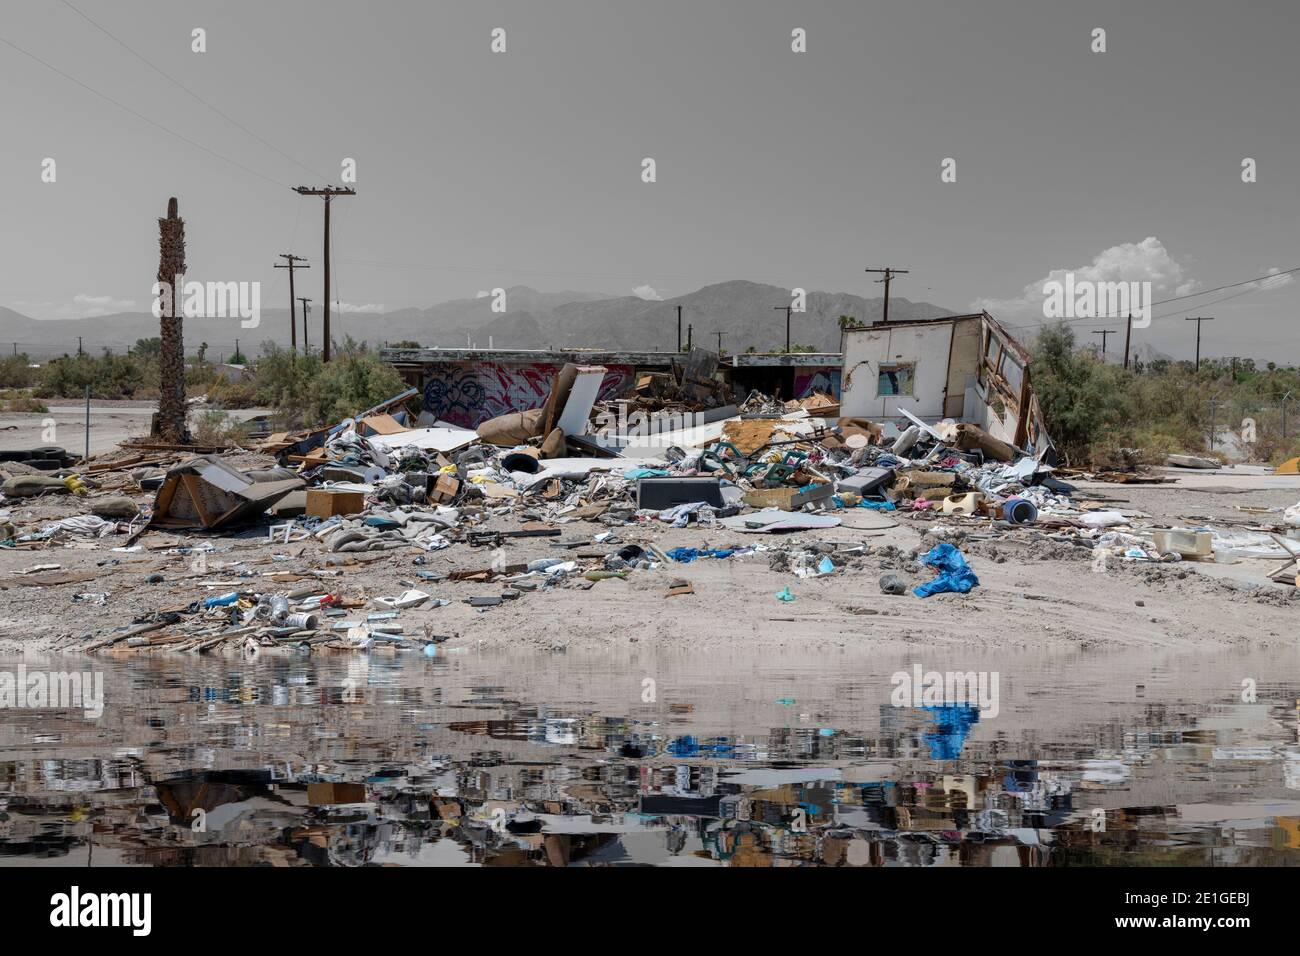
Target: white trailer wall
x,y
924,346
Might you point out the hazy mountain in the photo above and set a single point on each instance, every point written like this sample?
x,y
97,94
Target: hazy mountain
x,y
745,312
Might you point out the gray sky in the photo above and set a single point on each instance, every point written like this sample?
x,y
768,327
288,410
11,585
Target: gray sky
x,y
477,169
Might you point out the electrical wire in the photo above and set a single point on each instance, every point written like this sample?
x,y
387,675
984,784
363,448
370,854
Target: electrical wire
x,y
167,76
139,115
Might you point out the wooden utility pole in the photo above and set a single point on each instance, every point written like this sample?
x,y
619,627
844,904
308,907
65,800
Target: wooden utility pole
x,y
679,328
305,310
718,333
1198,322
291,264
329,192
788,309
889,274
1128,334
1103,333
690,337
170,426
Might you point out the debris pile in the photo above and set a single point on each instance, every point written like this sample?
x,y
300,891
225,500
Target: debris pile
x,y
344,538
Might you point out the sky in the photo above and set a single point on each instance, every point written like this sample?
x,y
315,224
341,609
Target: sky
x,y
478,169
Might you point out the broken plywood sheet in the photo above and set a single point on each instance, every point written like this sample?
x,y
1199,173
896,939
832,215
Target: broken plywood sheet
x,y
749,435
206,492
573,419
381,425
440,437
773,519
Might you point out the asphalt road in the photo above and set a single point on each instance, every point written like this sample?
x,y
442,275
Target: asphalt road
x,y
65,425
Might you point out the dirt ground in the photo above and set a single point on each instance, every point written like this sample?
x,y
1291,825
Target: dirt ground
x,y
1036,591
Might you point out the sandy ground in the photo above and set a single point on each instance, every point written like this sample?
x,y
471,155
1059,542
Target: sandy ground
x,y
1035,592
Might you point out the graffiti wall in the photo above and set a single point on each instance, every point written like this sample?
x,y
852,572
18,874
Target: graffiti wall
x,y
469,393
809,380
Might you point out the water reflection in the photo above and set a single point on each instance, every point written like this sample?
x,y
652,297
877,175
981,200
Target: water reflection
x,y
665,760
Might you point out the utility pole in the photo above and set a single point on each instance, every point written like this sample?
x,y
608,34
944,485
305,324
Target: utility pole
x,y
170,421
1198,322
305,310
788,309
679,328
78,346
1103,333
889,274
1128,334
690,337
291,264
1282,406
718,333
329,192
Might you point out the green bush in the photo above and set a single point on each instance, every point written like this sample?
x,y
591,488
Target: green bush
x,y
14,372
305,391
1092,408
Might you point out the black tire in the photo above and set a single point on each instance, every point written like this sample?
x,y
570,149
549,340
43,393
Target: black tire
x,y
45,464
15,455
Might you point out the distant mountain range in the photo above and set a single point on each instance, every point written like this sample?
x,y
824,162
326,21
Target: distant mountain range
x,y
746,313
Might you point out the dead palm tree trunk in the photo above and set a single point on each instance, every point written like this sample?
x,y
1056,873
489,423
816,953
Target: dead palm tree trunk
x,y
169,426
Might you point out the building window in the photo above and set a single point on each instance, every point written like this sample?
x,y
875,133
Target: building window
x,y
896,379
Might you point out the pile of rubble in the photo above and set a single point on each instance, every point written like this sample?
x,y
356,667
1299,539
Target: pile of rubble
x,y
391,487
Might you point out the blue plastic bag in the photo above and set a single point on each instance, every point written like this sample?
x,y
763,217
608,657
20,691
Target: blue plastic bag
x,y
954,573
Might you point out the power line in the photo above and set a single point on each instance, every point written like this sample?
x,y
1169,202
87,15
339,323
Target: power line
x,y
167,76
138,115
327,193
1198,320
1104,333
1263,280
889,275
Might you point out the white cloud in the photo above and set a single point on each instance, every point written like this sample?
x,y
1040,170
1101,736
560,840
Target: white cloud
x,y
88,306
647,292
370,307
1277,283
482,294
1145,261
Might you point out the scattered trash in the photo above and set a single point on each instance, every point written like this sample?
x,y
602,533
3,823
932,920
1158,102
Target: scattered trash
x,y
954,573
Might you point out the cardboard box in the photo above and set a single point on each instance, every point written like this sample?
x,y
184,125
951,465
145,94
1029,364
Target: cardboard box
x,y
327,794
787,498
325,503
442,489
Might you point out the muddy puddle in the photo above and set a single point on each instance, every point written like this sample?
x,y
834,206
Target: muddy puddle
x,y
931,759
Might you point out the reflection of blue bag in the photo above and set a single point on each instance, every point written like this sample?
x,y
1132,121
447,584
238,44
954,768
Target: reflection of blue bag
x,y
952,724
954,573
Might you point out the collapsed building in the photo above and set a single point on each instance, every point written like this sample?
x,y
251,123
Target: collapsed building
x,y
964,367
